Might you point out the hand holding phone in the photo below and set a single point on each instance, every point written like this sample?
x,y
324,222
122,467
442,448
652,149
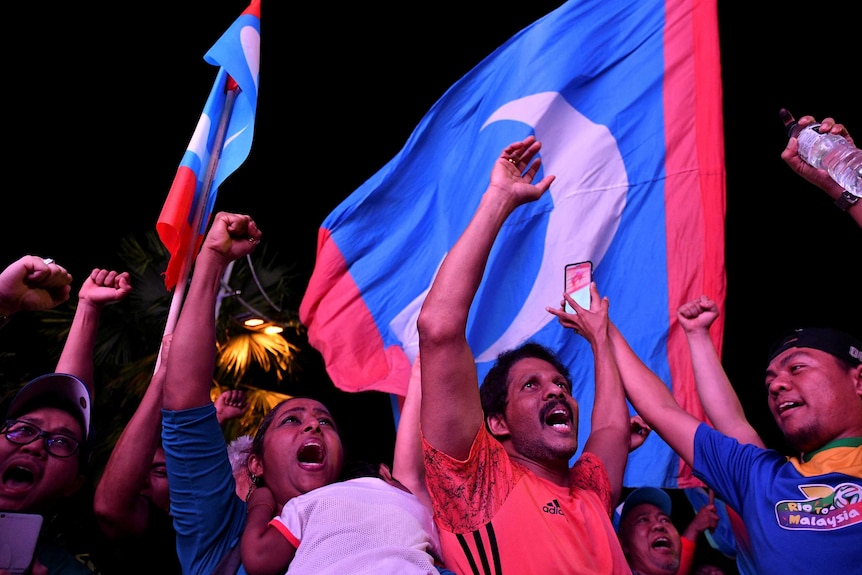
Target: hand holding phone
x,y
19,533
578,278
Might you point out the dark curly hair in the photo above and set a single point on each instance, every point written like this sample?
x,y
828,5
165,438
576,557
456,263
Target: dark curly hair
x,y
495,387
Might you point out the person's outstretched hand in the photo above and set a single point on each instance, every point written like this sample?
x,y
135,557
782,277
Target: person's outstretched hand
x,y
589,323
32,283
104,287
639,432
818,177
230,404
697,314
515,169
705,518
232,236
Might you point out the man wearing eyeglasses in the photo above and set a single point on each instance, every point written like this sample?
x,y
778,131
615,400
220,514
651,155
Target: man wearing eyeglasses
x,y
46,433
44,455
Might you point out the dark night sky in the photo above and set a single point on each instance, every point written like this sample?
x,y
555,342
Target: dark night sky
x,y
101,104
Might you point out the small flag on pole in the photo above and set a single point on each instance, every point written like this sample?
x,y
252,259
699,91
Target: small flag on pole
x,y
220,144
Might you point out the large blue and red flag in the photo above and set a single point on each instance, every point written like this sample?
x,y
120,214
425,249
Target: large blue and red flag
x,y
220,144
626,99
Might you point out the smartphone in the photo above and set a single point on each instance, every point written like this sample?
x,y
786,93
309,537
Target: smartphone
x,y
19,533
579,276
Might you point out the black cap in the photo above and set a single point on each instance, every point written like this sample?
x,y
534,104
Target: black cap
x,y
788,120
832,341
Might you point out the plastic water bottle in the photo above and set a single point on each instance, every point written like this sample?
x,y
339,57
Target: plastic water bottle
x,y
829,152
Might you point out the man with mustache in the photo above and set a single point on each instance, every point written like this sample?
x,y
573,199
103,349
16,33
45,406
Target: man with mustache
x,y
504,497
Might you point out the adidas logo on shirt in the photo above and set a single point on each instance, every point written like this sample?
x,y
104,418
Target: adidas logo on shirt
x,y
553,507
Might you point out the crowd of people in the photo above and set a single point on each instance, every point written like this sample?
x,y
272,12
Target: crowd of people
x,y
481,479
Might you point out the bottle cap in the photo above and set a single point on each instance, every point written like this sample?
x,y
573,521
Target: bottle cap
x,y
788,120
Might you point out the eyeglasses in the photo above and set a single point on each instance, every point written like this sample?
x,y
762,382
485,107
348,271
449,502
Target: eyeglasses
x,y
24,433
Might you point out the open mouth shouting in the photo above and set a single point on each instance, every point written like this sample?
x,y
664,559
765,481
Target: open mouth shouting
x,y
18,477
558,416
311,455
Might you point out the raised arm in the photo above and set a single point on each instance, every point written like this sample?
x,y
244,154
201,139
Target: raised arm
x,y
610,423
714,389
407,465
193,349
121,508
451,411
32,283
102,287
653,400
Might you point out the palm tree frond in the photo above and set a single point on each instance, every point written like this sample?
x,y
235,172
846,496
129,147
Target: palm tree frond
x,y
271,352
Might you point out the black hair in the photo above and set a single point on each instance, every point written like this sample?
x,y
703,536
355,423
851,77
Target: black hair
x,y
260,434
360,468
266,422
494,389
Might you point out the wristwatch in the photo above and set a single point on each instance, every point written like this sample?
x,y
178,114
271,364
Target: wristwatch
x,y
846,200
